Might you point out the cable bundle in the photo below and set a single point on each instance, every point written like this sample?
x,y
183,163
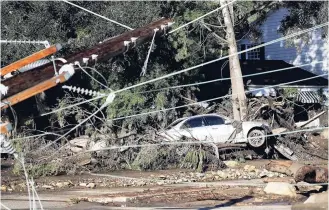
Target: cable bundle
x,y
82,91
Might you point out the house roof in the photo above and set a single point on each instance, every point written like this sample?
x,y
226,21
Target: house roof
x,y
274,78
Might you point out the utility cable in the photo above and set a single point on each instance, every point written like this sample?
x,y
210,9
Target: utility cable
x,y
146,113
197,66
228,78
196,142
148,54
213,99
95,70
109,100
93,78
112,94
222,58
26,179
196,19
73,105
4,206
98,15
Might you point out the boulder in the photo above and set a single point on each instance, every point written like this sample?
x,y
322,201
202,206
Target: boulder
x,y
91,185
280,188
249,168
80,142
318,198
83,184
231,163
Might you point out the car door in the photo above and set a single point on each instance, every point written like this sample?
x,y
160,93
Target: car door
x,y
195,128
217,128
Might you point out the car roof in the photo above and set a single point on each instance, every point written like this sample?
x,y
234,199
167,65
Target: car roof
x,y
201,115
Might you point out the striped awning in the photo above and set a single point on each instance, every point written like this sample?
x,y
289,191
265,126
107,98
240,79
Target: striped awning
x,y
308,97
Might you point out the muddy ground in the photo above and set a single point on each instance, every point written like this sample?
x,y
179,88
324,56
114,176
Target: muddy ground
x,y
233,186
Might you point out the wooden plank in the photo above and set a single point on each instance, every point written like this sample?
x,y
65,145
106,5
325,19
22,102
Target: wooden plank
x,y
105,50
30,59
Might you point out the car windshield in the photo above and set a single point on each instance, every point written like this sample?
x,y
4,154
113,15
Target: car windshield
x,y
174,123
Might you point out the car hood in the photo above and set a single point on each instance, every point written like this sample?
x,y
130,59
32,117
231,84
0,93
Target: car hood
x,y
250,124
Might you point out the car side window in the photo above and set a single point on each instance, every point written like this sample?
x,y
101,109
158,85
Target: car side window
x,y
194,123
214,120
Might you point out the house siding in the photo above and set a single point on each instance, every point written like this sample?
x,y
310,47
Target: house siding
x,y
301,53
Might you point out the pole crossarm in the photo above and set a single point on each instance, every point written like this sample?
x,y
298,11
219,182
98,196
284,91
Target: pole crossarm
x,y
32,91
30,59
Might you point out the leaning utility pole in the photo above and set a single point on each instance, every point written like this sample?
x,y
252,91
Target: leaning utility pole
x,y
102,51
238,95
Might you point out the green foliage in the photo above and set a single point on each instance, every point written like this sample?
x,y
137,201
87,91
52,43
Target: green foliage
x,y
155,158
290,92
59,22
37,170
305,14
195,159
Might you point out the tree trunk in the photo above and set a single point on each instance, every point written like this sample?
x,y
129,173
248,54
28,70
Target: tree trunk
x,y
235,69
299,172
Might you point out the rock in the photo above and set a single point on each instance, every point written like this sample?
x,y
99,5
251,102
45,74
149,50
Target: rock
x,y
163,177
80,142
3,188
75,149
91,185
249,168
48,187
222,174
141,183
231,163
59,184
84,162
271,175
160,183
280,188
318,198
179,181
66,184
83,184
304,186
200,175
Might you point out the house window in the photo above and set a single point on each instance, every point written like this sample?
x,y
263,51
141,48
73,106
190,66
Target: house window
x,y
253,54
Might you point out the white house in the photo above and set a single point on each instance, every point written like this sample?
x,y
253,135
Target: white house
x,y
299,53
316,49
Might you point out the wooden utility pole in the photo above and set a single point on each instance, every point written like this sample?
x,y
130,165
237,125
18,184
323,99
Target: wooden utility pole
x,y
238,95
102,51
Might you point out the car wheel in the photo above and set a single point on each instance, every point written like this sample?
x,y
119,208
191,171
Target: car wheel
x,y
256,138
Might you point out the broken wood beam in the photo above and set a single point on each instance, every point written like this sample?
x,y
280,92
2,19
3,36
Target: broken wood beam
x,y
311,120
102,51
300,172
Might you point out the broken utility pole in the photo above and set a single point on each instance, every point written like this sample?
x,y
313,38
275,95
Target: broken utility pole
x,y
238,95
102,51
